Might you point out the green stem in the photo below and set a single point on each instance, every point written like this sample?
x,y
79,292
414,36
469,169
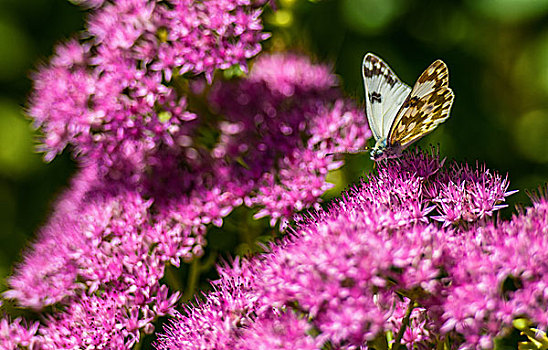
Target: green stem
x,y
193,276
139,344
404,325
209,262
245,237
172,279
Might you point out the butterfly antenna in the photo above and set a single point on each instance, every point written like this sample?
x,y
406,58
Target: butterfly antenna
x,y
351,151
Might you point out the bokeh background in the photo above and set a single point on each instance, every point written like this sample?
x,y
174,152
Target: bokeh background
x,y
496,50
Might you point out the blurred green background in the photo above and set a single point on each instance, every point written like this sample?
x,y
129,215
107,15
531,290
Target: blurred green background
x,y
496,50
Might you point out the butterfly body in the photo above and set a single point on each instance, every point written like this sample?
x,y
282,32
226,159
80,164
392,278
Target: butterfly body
x,y
399,115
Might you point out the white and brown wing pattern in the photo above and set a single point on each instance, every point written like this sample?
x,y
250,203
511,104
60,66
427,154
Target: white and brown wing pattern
x,y
384,95
427,105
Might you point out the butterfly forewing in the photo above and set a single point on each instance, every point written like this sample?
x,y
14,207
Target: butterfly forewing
x,y
427,105
384,94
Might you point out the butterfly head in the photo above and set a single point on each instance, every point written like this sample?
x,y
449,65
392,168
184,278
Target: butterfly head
x,y
382,150
377,153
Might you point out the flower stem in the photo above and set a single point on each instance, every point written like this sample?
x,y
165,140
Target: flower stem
x,y
195,270
209,262
404,325
139,344
192,280
172,279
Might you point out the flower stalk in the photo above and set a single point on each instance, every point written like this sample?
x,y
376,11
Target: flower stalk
x,y
405,323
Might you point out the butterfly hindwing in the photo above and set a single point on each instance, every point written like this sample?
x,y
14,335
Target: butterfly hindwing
x,y
384,95
427,105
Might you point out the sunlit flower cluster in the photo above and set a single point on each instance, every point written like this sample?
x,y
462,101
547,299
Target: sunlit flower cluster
x,y
377,260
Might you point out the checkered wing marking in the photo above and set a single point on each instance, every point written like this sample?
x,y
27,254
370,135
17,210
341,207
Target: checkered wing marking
x,y
384,95
427,105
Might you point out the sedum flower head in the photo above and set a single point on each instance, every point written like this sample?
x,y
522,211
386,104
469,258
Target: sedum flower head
x,y
14,334
285,99
378,261
100,259
502,276
114,95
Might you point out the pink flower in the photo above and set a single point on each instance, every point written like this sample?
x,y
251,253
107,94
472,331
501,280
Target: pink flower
x,y
113,98
378,261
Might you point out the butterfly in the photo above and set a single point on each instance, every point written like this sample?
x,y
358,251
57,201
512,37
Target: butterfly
x,y
399,115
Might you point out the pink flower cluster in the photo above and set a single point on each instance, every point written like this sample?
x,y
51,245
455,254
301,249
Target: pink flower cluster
x,y
16,335
266,118
95,257
149,188
377,259
501,276
115,95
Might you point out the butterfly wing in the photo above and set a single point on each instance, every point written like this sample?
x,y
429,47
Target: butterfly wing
x,y
427,105
384,95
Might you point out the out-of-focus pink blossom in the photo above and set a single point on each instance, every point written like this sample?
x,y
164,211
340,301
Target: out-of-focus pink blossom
x,y
138,206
